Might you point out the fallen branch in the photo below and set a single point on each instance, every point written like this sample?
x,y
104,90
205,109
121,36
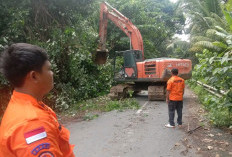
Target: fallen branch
x,y
191,131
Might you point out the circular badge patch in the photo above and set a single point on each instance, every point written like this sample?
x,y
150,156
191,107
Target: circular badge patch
x,y
46,154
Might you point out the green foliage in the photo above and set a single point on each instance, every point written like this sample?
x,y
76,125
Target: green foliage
x,y
101,104
130,92
228,5
216,70
2,80
204,18
156,20
105,104
122,105
180,49
69,35
90,116
213,50
74,71
219,114
90,109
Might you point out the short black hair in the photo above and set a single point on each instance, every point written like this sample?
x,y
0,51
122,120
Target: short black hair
x,y
174,71
19,59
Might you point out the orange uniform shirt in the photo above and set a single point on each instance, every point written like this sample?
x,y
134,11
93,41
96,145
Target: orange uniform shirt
x,y
176,87
30,129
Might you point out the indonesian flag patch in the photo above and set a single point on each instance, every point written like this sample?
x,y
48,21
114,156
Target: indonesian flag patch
x,y
35,135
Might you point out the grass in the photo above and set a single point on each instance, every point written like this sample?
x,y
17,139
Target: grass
x,y
90,116
90,109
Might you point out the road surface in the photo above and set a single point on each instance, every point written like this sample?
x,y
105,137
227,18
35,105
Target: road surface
x,y
132,133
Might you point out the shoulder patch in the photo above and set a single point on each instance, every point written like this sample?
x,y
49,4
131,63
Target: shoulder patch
x,y
46,154
35,135
40,147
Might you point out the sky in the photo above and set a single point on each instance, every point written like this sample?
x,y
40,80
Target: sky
x,y
184,37
174,1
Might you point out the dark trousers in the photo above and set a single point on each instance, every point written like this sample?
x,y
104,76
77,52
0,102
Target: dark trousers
x,y
172,106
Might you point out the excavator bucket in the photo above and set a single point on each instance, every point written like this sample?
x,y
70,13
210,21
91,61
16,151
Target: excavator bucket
x,y
100,57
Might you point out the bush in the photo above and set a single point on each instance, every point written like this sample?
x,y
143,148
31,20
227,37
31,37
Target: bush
x,y
218,113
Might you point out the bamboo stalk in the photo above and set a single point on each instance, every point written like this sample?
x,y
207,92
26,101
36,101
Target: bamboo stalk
x,y
212,90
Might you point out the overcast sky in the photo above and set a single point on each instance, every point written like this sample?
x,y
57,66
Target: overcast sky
x,y
184,37
174,1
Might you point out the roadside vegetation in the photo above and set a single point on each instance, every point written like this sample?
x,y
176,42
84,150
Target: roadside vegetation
x,y
217,113
90,109
211,43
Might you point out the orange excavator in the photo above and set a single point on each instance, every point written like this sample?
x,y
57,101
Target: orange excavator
x,y
131,70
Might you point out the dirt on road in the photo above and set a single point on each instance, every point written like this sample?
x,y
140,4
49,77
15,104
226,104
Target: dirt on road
x,y
141,133
209,141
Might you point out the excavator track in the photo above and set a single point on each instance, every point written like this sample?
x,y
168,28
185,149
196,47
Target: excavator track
x,y
120,91
156,93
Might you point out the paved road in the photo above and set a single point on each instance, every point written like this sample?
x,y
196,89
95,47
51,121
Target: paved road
x,y
131,133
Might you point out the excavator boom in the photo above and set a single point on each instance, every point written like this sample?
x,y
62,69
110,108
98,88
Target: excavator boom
x,y
122,22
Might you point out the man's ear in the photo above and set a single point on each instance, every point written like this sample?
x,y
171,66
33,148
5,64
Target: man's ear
x,y
33,76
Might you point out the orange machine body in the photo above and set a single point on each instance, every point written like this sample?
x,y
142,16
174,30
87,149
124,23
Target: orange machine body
x,y
158,69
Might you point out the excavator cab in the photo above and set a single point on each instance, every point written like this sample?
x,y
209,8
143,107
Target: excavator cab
x,y
125,65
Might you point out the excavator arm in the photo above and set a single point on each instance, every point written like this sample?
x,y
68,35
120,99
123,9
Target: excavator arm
x,y
108,12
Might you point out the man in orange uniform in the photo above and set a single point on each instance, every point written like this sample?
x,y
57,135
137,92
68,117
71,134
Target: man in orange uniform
x,y
29,128
175,92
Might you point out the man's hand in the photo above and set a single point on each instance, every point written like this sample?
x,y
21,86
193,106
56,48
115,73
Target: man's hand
x,y
167,101
167,96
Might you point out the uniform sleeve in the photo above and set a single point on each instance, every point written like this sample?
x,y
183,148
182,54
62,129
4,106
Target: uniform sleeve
x,y
40,139
169,85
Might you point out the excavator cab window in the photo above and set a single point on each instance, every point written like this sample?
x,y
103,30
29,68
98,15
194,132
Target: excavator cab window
x,y
128,69
138,55
129,60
